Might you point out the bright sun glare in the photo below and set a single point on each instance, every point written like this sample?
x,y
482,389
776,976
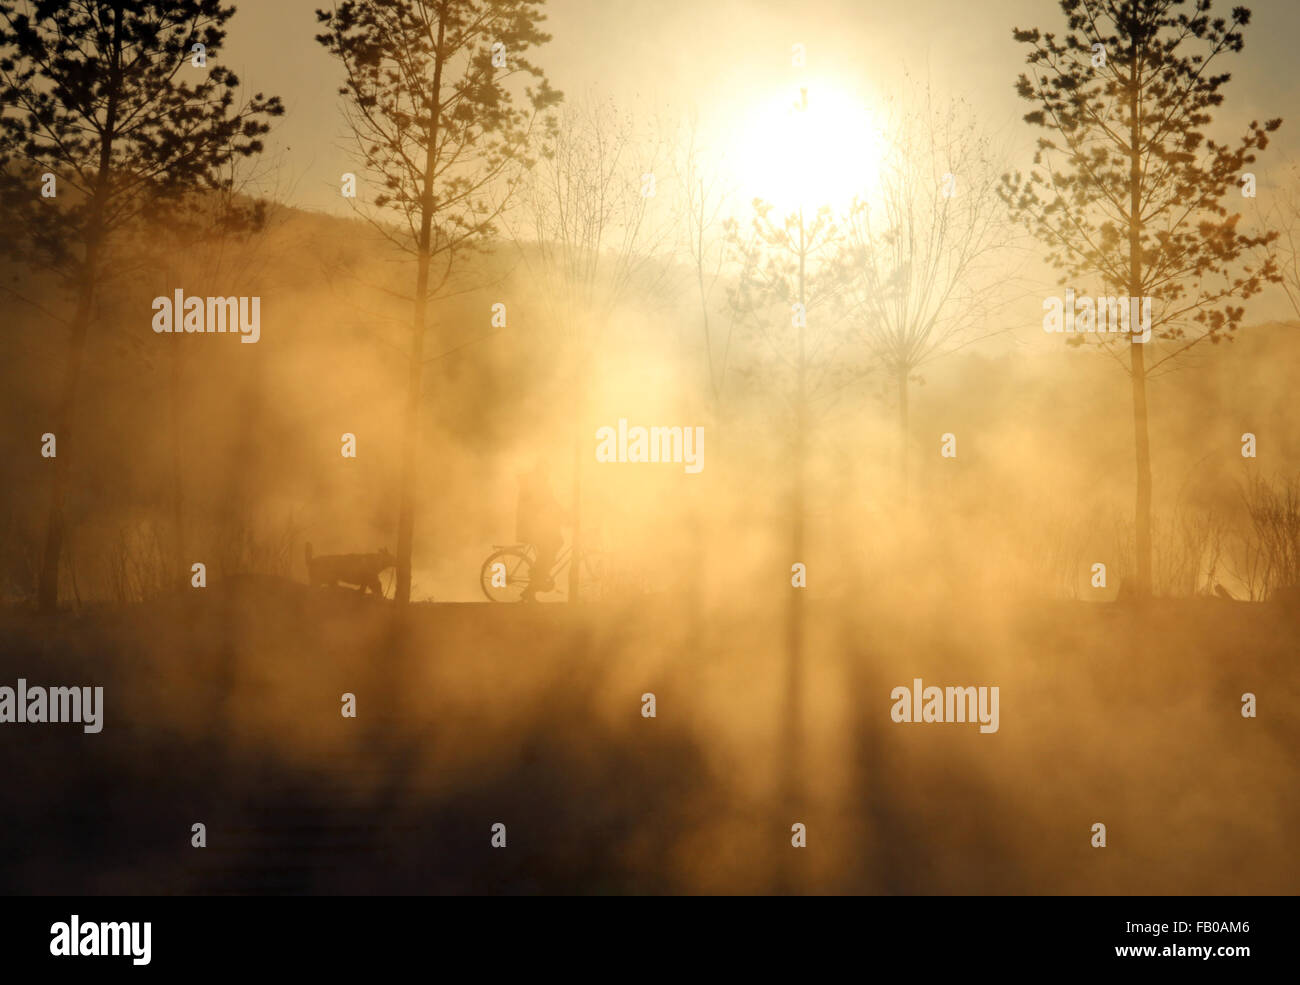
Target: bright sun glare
x,y
811,146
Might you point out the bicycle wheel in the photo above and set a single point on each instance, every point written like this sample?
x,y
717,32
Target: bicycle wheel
x,y
516,569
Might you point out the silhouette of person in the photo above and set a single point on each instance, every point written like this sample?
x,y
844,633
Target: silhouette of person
x,y
537,521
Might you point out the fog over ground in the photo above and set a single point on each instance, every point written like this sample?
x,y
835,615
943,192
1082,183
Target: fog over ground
x,y
848,532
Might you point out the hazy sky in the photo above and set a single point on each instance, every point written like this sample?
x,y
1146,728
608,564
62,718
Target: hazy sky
x,y
725,57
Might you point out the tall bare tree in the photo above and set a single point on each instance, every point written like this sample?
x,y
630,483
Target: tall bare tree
x,y
445,107
592,239
923,242
117,102
1128,191
703,199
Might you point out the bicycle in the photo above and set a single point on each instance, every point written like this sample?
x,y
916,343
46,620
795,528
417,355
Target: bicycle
x,y
516,571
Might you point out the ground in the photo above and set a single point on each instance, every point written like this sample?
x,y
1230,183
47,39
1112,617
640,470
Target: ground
x,y
223,707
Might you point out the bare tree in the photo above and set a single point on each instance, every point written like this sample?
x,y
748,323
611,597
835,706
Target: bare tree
x,y
1272,541
592,239
923,242
1283,217
703,198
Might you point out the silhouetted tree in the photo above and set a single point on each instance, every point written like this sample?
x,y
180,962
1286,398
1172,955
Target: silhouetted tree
x,y
1128,190
106,96
439,123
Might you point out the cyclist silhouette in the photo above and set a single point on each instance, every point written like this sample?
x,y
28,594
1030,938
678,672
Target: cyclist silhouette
x,y
538,518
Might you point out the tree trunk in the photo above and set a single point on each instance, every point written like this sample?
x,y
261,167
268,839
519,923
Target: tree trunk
x,y
410,437
1137,355
415,373
47,592
1142,445
903,430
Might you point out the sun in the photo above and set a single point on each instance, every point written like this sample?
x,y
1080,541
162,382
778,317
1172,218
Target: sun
x,y
810,146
